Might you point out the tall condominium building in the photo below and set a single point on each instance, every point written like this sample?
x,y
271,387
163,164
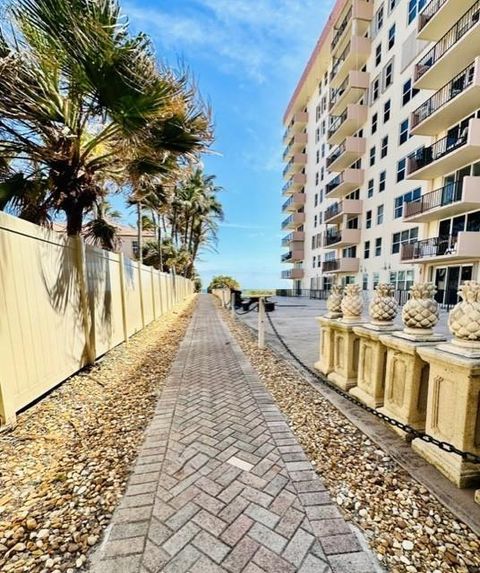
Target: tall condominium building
x,y
382,174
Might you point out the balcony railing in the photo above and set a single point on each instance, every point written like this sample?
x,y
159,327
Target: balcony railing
x,y
330,266
341,29
332,236
434,247
446,195
336,121
334,183
445,94
337,94
337,62
428,12
288,165
456,33
439,149
287,257
336,153
290,200
333,210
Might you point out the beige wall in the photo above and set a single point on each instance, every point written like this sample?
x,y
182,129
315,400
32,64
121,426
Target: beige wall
x,y
49,326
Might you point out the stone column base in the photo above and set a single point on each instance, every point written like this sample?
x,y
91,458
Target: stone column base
x,y
453,467
325,362
345,354
370,388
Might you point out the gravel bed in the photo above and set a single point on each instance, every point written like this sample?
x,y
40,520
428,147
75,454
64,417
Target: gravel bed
x,y
409,530
64,467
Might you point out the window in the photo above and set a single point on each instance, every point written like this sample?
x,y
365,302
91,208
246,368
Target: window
x,y
318,156
414,8
403,238
323,127
382,181
366,250
317,135
391,37
378,247
318,112
365,281
321,196
323,149
378,22
384,149
378,54
313,241
380,211
375,89
405,198
372,156
322,173
376,280
401,168
315,220
370,188
388,75
314,262
391,5
315,200
374,122
386,111
316,178
402,280
408,92
320,218
368,217
403,132
135,249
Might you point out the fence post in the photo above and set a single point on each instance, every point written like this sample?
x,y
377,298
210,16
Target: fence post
x,y
123,296
152,283
160,292
140,288
261,323
85,310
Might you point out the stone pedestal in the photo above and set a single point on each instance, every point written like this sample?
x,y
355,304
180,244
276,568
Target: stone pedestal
x,y
325,362
406,380
345,354
453,412
370,386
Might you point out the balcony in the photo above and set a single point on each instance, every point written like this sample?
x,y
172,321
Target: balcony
x,y
297,143
295,274
296,125
351,120
459,44
339,238
336,212
293,256
464,246
296,164
296,239
343,265
347,181
357,19
447,154
294,184
351,90
351,149
294,202
450,104
354,57
450,200
294,221
436,18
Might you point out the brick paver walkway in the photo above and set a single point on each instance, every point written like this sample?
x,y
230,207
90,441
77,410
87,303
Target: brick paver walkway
x,y
221,483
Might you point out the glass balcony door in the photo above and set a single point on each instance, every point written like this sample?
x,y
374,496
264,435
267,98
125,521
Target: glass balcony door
x,y
447,281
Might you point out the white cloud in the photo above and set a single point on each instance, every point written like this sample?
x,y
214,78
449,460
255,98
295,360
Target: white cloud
x,y
253,38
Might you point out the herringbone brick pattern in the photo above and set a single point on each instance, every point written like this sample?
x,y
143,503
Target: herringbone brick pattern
x,y
221,483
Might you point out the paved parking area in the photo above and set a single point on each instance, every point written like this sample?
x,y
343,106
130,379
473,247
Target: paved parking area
x,y
295,320
221,483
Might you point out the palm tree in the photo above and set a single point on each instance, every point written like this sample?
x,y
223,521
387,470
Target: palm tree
x,y
79,96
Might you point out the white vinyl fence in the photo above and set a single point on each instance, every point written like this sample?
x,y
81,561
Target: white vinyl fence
x,y
63,304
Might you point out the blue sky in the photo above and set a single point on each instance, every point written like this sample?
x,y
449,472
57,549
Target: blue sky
x,y
247,56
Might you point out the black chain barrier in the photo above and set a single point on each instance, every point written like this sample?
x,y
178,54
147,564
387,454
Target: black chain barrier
x,y
247,311
445,446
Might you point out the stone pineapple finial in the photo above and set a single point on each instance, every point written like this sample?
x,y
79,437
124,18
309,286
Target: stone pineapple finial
x,y
334,302
383,308
420,314
464,319
352,304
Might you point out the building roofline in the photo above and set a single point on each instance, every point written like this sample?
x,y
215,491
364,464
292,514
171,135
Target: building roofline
x,y
337,9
